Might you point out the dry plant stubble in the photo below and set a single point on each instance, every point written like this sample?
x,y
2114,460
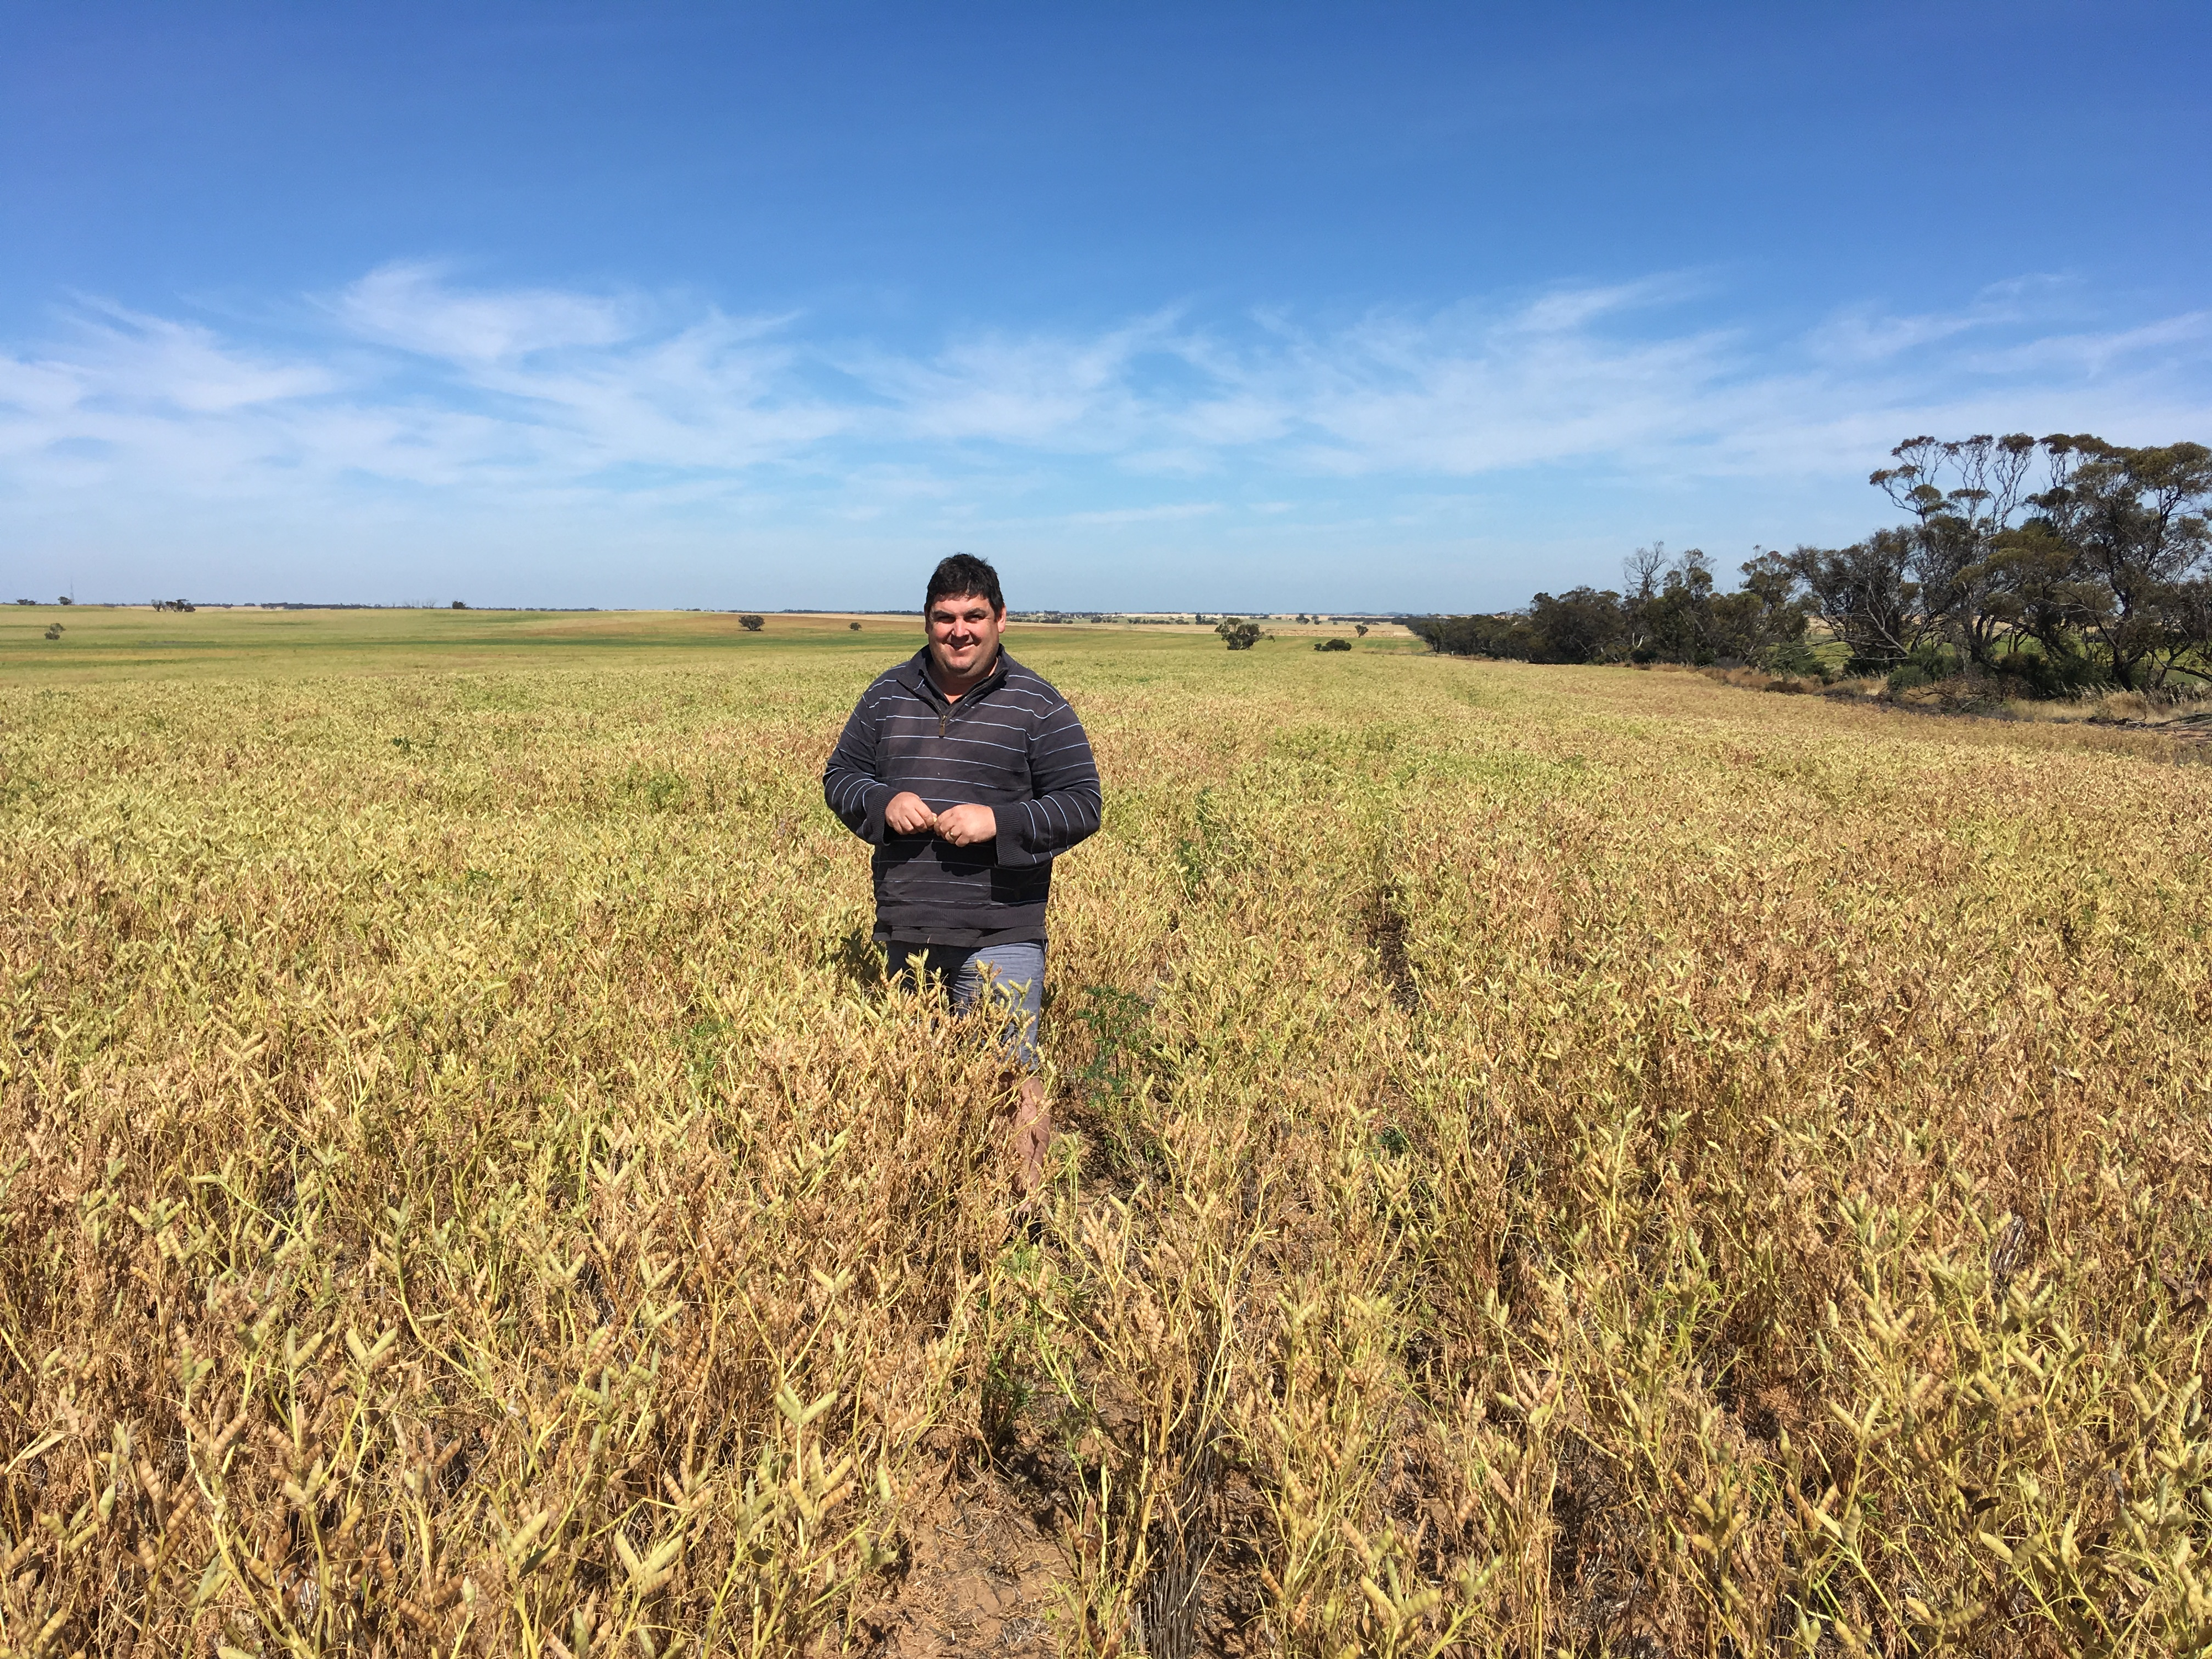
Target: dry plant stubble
x,y
1566,1158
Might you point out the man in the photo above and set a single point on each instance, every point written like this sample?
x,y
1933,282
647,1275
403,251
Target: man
x,y
969,775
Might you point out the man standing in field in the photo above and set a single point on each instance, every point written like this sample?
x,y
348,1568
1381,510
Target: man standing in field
x,y
969,775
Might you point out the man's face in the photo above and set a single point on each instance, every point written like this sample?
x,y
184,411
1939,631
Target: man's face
x,y
963,634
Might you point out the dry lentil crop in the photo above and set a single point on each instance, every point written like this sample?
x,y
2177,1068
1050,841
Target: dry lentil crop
x,y
1557,1160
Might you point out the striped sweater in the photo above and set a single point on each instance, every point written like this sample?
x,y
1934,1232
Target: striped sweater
x,y
1012,744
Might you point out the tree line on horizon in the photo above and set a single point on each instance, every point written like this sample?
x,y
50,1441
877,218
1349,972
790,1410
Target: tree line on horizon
x,y
2059,564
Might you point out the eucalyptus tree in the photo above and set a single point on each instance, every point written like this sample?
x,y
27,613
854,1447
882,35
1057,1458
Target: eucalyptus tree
x,y
2133,523
1867,597
1963,494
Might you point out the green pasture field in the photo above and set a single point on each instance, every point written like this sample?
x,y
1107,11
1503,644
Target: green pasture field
x,y
100,643
105,642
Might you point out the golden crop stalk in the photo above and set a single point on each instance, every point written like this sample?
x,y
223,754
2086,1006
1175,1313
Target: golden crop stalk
x,y
1560,1159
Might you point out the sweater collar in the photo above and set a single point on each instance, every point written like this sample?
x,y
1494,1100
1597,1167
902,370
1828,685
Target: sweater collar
x,y
918,679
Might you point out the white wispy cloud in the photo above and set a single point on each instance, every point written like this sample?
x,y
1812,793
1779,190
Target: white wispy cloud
x,y
2097,352
412,380
411,305
1865,334
1165,512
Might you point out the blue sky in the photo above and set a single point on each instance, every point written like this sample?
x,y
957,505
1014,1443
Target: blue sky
x,y
1291,306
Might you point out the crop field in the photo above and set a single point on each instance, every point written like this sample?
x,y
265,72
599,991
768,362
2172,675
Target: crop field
x,y
1553,1160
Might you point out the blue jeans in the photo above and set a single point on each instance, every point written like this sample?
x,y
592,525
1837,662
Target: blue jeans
x,y
1012,975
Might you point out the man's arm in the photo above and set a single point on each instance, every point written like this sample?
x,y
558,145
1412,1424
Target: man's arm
x,y
1066,806
849,783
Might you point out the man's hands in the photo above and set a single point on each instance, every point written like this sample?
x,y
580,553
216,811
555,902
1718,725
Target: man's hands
x,y
907,816
963,826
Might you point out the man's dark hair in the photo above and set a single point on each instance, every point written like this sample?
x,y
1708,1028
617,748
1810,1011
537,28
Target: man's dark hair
x,y
962,573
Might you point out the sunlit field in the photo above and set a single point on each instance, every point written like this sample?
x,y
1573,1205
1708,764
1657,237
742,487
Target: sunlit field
x,y
1554,1159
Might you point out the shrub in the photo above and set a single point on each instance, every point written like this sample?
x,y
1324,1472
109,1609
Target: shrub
x,y
1926,663
1332,645
2062,670
750,623
855,626
460,605
1797,658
